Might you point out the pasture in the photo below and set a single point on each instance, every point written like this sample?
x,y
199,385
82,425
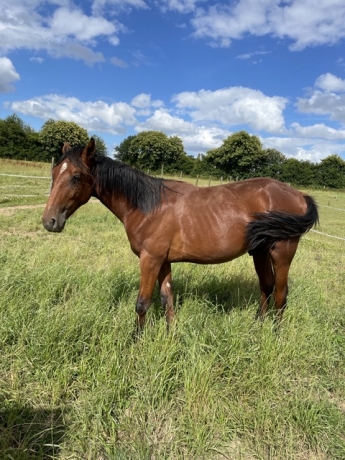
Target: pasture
x,y
221,385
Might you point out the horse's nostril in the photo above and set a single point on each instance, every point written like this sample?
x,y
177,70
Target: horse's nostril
x,y
54,224
50,224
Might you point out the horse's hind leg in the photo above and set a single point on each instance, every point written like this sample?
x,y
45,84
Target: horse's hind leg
x,y
264,270
282,255
166,291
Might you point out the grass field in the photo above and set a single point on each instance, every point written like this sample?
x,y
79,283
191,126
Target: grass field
x,y
75,385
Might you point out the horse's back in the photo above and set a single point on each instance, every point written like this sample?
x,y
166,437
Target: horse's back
x,y
251,195
265,194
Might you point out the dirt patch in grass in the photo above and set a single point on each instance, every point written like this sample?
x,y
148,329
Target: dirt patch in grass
x,y
12,209
18,233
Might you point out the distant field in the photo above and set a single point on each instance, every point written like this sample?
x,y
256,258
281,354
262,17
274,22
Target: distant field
x,y
30,189
75,385
34,188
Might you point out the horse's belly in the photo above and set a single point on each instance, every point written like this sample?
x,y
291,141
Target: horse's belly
x,y
211,250
204,258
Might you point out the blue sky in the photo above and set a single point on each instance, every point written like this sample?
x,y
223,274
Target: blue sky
x,y
197,69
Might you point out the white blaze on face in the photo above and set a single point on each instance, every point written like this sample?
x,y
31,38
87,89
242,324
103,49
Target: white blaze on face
x,y
63,168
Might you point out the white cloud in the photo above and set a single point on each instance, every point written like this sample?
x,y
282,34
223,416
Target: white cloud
x,y
68,22
326,101
37,59
119,62
306,23
235,106
304,149
66,32
96,116
8,75
203,138
195,138
319,130
143,101
161,120
99,6
247,56
329,82
75,51
222,43
182,6
319,103
223,22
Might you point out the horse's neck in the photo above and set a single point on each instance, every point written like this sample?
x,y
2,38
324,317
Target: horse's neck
x,y
117,205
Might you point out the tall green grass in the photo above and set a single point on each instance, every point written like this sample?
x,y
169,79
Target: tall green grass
x,y
23,182
74,384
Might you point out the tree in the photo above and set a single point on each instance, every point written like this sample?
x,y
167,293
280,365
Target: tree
x,y
122,151
187,165
273,163
34,150
18,140
331,172
174,155
297,172
241,155
15,138
150,150
54,133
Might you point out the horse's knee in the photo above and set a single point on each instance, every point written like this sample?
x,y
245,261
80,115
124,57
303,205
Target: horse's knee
x,y
281,293
164,299
141,306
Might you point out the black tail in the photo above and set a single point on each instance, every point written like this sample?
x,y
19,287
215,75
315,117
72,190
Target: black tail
x,y
269,228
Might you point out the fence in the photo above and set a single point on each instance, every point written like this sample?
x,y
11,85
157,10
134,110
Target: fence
x,y
196,182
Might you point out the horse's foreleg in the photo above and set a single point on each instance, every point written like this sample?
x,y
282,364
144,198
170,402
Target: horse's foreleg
x,y
166,291
149,269
264,270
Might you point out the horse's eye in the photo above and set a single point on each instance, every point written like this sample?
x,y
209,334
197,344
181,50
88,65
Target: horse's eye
x,y
76,178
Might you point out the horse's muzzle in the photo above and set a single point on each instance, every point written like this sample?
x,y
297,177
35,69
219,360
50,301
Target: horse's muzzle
x,y
54,224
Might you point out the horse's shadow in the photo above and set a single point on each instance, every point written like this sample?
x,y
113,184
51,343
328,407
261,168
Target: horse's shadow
x,y
27,433
235,293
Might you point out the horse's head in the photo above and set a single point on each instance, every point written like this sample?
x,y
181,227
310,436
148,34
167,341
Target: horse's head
x,y
72,185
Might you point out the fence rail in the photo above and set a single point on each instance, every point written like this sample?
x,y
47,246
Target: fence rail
x,y
28,177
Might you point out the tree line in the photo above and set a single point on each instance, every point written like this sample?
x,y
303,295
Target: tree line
x,y
241,155
19,141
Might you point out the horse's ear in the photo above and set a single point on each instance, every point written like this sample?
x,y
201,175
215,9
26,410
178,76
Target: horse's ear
x,y
89,151
65,148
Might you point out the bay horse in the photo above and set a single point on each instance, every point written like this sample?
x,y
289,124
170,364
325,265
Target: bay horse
x,y
170,221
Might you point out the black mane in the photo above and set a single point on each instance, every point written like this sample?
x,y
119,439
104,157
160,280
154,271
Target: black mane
x,y
141,191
